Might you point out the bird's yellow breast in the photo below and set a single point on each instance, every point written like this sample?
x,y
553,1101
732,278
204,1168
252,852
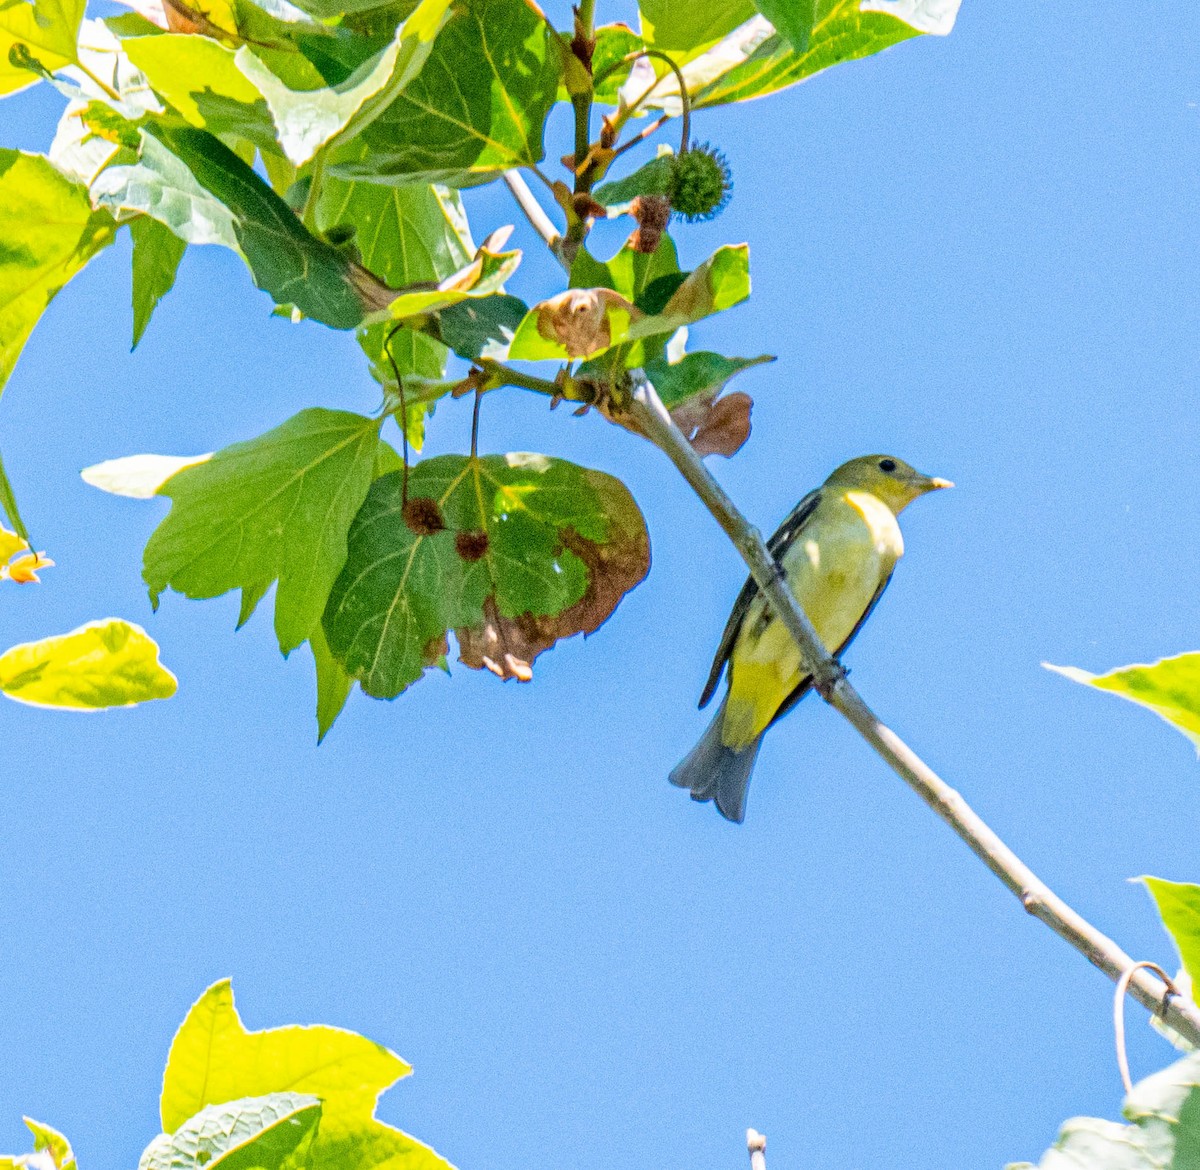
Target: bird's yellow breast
x,y
836,565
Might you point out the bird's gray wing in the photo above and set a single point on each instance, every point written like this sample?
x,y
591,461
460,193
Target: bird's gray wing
x,y
805,684
784,538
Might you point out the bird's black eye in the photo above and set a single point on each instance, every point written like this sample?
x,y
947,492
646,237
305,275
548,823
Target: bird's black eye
x,y
888,465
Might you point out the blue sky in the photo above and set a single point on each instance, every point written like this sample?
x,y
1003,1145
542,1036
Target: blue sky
x,y
981,254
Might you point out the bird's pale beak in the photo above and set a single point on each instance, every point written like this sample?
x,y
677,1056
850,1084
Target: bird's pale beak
x,y
936,483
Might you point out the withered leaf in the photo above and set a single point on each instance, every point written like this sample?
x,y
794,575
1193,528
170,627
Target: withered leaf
x,y
578,319
533,550
715,426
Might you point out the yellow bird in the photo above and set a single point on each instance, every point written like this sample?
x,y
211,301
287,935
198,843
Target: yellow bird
x,y
837,549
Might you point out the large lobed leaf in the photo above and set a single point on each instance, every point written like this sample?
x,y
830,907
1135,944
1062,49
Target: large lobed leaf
x,y
477,108
1170,688
45,29
48,232
752,58
109,663
1163,1134
512,552
255,1133
215,1060
275,508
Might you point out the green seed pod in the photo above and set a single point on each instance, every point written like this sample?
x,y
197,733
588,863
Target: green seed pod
x,y
700,183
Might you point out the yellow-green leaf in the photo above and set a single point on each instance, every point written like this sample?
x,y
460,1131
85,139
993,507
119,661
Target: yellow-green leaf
x,y
48,232
1179,908
47,28
215,1059
108,663
1170,688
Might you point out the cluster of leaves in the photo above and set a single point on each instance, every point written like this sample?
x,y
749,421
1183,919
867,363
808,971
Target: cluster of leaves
x,y
325,142
279,1099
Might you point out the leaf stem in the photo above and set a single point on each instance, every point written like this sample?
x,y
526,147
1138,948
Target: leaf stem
x,y
830,681
103,85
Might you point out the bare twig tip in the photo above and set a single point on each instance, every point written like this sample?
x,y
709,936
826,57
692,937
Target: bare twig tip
x,y
755,1141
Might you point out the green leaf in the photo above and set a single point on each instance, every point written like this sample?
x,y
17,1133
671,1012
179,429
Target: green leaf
x,y
109,663
722,281
688,25
1170,688
482,277
614,42
200,78
160,185
513,552
254,1133
651,179
48,232
629,272
477,108
49,1139
1164,1134
793,19
214,1059
275,508
754,59
48,29
287,261
483,327
1179,908
157,252
404,235
138,477
696,374
8,505
61,1157
307,119
333,683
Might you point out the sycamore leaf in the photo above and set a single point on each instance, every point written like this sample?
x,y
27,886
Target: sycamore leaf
x,y
214,1059
404,235
287,261
512,552
585,322
1164,1130
46,29
482,277
160,185
652,178
275,508
254,1133
138,476
687,25
200,78
157,252
48,232
306,120
754,59
1178,906
1170,688
692,390
793,19
457,125
8,506
109,663
51,1151
333,683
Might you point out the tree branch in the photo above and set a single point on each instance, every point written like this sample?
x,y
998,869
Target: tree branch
x,y
756,1144
535,213
830,682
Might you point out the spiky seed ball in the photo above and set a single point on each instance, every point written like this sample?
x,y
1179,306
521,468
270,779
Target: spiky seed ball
x,y
700,183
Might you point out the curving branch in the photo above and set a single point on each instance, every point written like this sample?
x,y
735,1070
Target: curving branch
x,y
830,681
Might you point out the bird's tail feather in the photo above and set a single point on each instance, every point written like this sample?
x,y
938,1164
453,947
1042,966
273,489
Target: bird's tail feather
x,y
715,772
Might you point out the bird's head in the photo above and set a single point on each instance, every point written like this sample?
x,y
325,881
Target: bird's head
x,y
889,479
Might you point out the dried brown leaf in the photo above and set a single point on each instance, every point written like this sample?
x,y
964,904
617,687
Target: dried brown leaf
x,y
715,426
578,319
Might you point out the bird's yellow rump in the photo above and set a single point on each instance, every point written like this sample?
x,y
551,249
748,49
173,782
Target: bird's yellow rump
x,y
837,549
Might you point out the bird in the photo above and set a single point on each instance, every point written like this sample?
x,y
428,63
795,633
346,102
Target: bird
x,y
837,549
